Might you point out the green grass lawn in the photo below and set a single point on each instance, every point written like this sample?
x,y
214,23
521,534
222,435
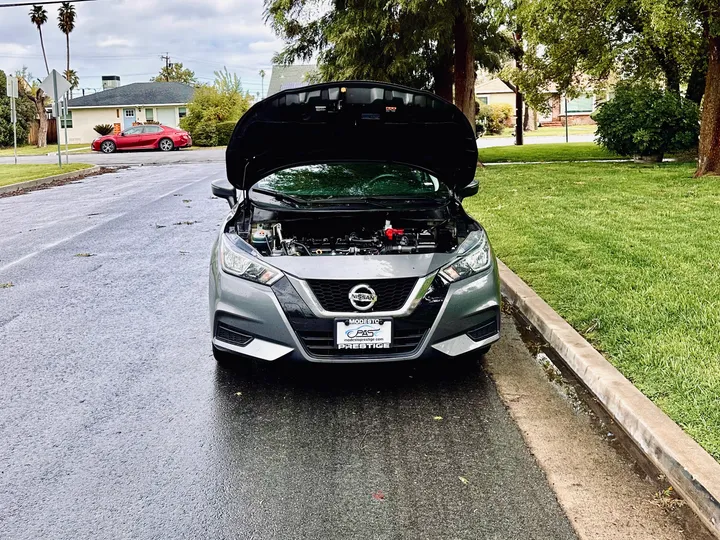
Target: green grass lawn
x,y
12,174
549,131
34,151
630,256
544,152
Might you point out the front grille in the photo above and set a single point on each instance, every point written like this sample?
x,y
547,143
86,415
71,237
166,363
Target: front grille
x,y
320,341
333,294
318,337
485,330
230,335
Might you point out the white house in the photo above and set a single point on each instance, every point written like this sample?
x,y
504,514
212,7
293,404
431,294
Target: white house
x,y
163,102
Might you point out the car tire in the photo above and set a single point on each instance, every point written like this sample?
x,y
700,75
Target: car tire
x,y
472,357
232,362
107,147
166,145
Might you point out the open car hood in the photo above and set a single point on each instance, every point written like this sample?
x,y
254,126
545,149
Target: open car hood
x,y
352,121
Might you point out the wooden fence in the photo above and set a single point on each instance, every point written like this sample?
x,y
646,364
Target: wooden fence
x,y
51,136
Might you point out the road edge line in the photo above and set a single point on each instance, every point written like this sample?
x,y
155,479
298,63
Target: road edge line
x,y
48,180
691,470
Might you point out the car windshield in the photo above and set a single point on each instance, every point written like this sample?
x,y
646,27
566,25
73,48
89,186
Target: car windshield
x,y
329,181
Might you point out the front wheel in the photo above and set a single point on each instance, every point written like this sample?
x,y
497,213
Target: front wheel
x,y
166,145
107,147
232,362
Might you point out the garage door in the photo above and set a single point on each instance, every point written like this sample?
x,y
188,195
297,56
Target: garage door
x,y
167,117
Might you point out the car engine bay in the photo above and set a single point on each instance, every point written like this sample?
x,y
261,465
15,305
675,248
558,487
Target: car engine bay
x,y
371,234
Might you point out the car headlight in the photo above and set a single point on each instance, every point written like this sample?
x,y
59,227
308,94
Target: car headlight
x,y
246,266
475,257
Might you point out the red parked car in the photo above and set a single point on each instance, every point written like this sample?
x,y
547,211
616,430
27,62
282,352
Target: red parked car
x,y
144,138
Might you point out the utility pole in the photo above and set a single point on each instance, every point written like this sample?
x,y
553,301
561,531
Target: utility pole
x,y
262,83
166,57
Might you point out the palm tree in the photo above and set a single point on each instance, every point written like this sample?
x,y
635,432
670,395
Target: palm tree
x,y
38,16
262,78
66,24
73,79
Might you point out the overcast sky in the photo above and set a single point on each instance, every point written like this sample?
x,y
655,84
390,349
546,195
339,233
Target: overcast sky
x,y
127,38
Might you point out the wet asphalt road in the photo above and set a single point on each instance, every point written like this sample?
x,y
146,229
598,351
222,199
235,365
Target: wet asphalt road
x,y
116,423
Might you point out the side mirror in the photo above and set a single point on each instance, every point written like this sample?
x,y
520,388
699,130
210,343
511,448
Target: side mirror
x,y
469,190
122,133
223,189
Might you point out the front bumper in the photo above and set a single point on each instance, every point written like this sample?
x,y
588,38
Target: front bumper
x,y
287,321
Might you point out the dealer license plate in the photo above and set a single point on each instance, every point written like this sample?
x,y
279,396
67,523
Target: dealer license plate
x,y
363,333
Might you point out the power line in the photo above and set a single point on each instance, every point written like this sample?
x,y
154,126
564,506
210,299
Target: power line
x,y
21,4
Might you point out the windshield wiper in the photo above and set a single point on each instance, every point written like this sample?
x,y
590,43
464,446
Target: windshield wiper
x,y
349,200
289,199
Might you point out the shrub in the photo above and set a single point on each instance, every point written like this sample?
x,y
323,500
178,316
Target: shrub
x,y
644,120
25,116
222,102
494,117
104,129
204,135
224,132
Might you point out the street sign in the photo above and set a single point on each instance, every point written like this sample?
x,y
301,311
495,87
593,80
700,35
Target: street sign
x,y
12,92
12,87
55,86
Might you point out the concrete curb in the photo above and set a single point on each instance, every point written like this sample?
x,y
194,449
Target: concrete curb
x,y
86,150
689,469
48,180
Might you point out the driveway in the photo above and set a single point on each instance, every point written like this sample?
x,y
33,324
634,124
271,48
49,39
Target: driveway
x,y
116,423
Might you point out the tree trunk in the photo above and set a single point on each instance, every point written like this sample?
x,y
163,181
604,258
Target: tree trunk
x,y
39,102
464,62
672,77
696,82
709,159
526,123
443,72
42,46
67,40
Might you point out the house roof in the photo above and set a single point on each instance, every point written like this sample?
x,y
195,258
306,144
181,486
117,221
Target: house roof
x,y
288,77
149,93
493,86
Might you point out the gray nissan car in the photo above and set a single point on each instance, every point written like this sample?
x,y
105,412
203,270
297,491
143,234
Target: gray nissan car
x,y
346,240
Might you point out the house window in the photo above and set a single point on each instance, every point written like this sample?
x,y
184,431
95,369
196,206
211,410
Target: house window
x,y
579,105
66,121
483,99
149,115
182,112
130,113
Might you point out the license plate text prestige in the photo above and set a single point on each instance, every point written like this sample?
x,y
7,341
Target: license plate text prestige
x,y
363,333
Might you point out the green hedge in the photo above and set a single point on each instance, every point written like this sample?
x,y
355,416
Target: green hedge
x,y
205,135
224,132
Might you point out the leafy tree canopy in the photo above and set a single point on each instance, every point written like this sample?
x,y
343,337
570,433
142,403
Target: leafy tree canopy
x,y
223,101
419,43
26,115
176,73
573,43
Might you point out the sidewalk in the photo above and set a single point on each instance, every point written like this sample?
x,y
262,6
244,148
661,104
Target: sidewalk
x,y
488,142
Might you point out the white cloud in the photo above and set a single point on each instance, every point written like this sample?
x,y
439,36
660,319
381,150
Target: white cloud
x,y
127,38
14,49
112,41
266,46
